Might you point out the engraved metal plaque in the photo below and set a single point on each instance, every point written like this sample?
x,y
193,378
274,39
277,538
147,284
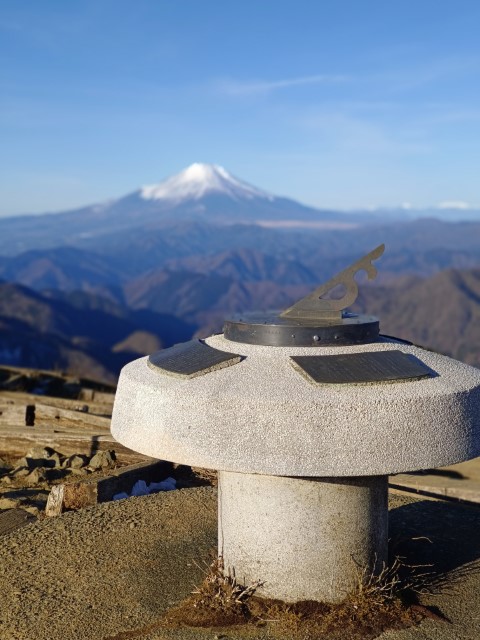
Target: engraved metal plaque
x,y
191,359
355,368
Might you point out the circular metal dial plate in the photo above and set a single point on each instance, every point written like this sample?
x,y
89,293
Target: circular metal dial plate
x,y
277,331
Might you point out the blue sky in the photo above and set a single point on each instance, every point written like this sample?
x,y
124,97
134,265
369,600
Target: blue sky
x,y
343,104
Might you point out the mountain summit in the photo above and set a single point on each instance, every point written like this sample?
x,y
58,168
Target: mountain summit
x,y
209,193
199,180
201,193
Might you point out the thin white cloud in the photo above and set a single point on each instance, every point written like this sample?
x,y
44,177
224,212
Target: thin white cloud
x,y
396,81
239,88
351,132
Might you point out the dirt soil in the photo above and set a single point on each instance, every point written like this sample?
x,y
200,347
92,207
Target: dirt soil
x,y
114,570
220,601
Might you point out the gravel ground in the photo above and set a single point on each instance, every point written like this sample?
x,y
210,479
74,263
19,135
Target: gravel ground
x,y
118,566
95,572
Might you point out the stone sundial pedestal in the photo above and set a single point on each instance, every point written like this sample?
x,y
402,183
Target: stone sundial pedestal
x,y
304,414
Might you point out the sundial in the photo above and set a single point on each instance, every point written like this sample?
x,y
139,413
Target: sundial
x,y
303,413
315,320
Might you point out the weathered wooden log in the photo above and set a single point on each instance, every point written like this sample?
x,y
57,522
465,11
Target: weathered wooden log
x,y
101,407
90,491
12,414
15,441
45,414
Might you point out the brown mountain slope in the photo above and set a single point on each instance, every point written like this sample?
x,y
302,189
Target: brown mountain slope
x,y
245,265
206,299
86,334
81,336
441,312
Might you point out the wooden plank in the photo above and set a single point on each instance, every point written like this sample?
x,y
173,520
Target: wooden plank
x,y
45,414
12,414
54,506
101,397
88,492
12,430
15,441
101,408
48,414
441,486
95,407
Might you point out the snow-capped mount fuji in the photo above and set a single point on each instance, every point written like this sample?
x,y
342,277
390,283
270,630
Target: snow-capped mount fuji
x,y
201,193
186,207
209,193
199,180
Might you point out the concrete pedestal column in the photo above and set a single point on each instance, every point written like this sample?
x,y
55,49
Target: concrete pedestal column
x,y
304,538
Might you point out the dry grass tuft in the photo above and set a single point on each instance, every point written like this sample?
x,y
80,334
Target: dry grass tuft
x,y
393,581
377,604
380,601
218,601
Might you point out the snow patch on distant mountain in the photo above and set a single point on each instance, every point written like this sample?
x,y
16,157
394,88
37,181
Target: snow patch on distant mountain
x,y
102,206
454,204
199,180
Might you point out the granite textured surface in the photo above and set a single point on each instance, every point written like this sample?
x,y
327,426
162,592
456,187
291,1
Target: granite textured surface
x,y
261,416
303,539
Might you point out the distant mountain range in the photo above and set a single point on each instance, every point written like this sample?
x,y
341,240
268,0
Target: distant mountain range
x,y
200,193
89,289
88,335
441,312
79,333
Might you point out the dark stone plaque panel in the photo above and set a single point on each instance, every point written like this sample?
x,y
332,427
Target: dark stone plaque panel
x,y
191,359
354,368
